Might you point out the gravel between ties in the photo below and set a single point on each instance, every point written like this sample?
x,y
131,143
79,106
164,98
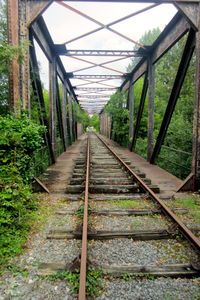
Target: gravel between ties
x,y
162,288
115,223
127,251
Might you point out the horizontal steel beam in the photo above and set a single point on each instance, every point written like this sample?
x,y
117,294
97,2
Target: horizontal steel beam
x,y
92,96
97,76
127,53
141,1
96,89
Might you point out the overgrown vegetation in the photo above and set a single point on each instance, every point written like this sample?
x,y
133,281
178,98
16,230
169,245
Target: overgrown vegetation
x,y
192,204
93,281
19,139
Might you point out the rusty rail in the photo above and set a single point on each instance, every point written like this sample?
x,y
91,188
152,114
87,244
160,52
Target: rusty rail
x,y
83,267
185,231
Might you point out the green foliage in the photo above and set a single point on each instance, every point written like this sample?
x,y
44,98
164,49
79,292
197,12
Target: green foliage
x,y
192,204
176,155
80,211
120,117
81,116
19,139
95,122
93,281
16,207
7,54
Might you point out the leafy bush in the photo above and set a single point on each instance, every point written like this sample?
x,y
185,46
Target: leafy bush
x,y
19,139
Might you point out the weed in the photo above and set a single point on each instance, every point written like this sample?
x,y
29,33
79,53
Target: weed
x,y
16,270
137,276
80,211
93,282
192,205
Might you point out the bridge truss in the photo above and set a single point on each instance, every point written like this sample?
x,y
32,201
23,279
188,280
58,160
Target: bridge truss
x,y
26,22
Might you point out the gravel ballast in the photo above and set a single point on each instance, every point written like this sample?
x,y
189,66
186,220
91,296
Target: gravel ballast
x,y
162,288
118,223
126,251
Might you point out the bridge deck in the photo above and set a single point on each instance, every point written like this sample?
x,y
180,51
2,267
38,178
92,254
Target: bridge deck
x,y
167,182
57,176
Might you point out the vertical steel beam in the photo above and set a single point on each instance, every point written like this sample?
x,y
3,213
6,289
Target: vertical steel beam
x,y
38,93
180,76
151,79
53,96
196,123
13,38
131,109
24,67
59,115
70,118
140,111
64,112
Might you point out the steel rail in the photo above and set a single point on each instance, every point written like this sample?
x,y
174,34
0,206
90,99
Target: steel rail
x,y
83,266
184,229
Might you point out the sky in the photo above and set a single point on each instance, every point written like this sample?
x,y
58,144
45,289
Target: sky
x,y
64,25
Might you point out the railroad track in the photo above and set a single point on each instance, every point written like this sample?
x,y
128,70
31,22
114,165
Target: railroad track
x,y
131,232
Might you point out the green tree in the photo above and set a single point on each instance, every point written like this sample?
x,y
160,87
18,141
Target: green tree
x,y
95,122
178,139
81,116
116,108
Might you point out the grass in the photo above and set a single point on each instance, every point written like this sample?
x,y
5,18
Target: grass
x,y
137,204
191,203
14,241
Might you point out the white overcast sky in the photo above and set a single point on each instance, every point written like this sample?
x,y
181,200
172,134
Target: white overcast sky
x,y
64,25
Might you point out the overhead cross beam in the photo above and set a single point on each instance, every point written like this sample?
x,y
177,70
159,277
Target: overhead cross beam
x,y
105,26
72,52
85,96
95,89
107,77
102,65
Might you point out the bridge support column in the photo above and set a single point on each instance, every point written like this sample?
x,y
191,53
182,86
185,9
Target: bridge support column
x,y
131,111
53,96
196,127
140,111
151,80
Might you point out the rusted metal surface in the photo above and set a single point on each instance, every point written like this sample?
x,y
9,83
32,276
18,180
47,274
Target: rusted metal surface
x,y
196,122
83,268
150,134
13,37
36,8
131,109
140,111
38,93
183,228
190,10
